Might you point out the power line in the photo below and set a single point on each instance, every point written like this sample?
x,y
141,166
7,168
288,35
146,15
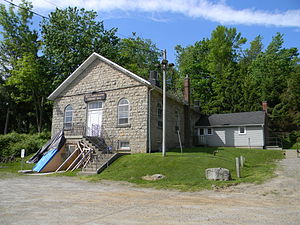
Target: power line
x,y
20,7
52,3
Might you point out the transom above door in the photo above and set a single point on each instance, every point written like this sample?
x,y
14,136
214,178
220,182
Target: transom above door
x,y
94,118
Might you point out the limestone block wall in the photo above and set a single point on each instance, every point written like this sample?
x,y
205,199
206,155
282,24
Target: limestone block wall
x,y
101,77
172,140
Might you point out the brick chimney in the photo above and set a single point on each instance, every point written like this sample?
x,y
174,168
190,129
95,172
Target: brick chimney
x,y
186,91
265,106
153,78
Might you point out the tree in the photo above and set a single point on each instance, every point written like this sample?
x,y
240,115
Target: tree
x,y
271,72
17,42
192,61
30,80
71,35
17,37
224,53
249,101
138,55
213,67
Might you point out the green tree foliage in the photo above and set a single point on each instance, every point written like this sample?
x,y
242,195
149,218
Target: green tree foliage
x,y
17,37
224,52
192,62
271,72
138,55
226,78
19,42
71,35
249,101
212,67
32,85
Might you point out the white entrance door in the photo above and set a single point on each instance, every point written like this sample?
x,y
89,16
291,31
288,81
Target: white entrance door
x,y
94,118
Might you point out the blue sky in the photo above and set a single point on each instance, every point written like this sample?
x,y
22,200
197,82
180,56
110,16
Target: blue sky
x,y
172,22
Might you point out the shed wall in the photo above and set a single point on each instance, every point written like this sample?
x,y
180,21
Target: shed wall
x,y
230,136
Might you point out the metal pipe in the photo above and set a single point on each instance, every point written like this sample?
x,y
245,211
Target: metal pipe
x,y
164,67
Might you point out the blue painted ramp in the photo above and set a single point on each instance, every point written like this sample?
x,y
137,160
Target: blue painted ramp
x,y
44,160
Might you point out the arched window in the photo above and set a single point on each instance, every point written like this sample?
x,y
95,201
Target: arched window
x,y
159,115
68,117
123,111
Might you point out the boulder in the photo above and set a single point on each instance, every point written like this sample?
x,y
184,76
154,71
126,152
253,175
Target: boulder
x,y
153,177
217,174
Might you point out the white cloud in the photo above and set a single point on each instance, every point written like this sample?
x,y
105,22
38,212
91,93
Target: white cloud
x,y
210,10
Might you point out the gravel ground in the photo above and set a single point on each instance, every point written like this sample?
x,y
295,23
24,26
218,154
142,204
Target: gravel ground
x,y
63,200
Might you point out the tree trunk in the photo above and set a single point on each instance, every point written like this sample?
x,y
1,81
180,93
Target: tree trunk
x,y
6,121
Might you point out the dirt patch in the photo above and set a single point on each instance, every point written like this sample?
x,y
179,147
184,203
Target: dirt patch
x,y
65,200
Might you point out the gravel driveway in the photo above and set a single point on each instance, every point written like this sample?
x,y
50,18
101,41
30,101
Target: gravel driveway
x,y
63,200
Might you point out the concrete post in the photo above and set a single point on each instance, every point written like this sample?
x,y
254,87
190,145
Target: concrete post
x,y
237,165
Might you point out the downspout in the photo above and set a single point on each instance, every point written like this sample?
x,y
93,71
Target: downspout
x,y
149,119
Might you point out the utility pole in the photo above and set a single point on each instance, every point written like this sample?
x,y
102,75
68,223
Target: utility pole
x,y
164,67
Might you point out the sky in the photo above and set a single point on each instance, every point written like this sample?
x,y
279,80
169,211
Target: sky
x,y
183,22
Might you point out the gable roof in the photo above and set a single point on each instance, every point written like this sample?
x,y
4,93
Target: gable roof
x,y
233,119
84,65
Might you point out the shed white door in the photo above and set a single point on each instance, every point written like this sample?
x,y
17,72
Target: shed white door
x,y
94,119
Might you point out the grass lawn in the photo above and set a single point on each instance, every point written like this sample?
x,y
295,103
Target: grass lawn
x,y
11,169
186,171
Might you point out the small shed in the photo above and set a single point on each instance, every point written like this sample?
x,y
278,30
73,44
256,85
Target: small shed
x,y
245,129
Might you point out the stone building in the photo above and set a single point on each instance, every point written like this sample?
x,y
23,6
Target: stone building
x,y
101,98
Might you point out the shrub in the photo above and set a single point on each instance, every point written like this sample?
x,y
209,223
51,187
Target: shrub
x,y
291,140
11,144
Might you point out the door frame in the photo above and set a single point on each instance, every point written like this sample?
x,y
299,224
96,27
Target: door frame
x,y
100,110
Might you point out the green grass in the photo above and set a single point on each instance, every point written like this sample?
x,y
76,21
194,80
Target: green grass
x,y
186,171
11,169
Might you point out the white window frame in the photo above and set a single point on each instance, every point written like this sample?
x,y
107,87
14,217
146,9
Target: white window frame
x,y
68,109
91,105
128,112
124,148
210,129
245,131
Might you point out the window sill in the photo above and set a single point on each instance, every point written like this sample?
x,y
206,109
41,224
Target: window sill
x,y
124,149
123,125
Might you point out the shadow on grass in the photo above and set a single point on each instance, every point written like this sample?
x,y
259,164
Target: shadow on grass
x,y
209,150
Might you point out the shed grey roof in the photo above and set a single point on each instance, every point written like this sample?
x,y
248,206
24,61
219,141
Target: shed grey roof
x,y
233,119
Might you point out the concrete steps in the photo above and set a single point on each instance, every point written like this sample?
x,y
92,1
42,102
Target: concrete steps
x,y
99,163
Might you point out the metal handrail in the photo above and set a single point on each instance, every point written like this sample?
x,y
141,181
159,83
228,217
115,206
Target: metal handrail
x,y
274,141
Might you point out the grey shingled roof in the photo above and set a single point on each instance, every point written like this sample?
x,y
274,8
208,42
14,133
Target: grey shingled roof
x,y
231,119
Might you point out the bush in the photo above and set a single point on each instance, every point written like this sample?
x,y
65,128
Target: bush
x,y
11,144
291,140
